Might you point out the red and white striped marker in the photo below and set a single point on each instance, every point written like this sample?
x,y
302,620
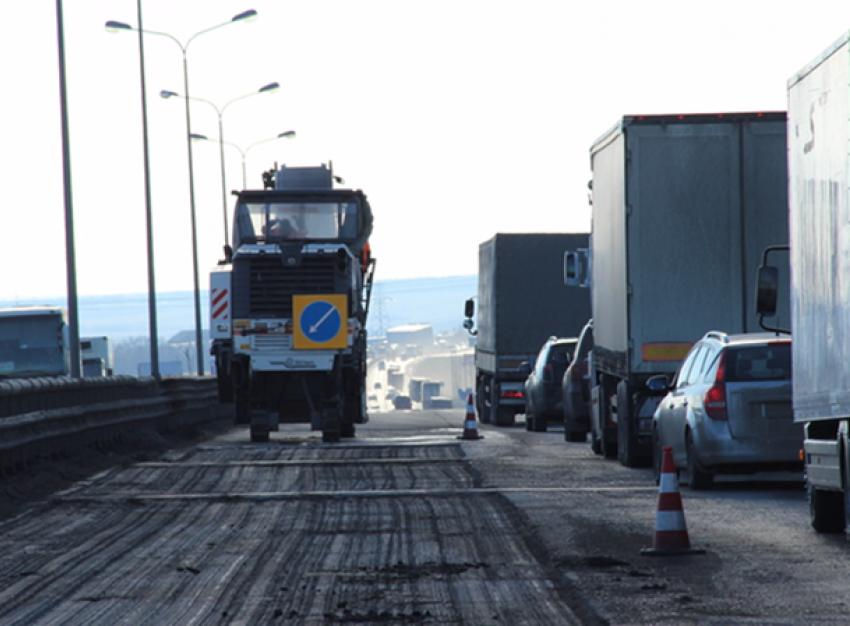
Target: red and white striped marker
x,y
671,533
470,426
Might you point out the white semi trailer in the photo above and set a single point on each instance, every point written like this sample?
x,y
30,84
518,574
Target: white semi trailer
x,y
819,219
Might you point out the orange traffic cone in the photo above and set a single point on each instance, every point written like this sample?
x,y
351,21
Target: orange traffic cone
x,y
470,426
671,533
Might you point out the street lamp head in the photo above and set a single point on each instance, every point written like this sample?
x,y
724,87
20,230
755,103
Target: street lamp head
x,y
198,137
165,94
246,16
114,27
290,134
270,88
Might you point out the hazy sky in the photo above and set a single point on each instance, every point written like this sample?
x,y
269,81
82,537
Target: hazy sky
x,y
458,118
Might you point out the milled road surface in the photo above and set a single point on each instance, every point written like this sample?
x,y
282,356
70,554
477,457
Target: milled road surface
x,y
403,525
370,531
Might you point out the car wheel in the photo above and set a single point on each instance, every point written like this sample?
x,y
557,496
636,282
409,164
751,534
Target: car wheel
x,y
657,456
540,423
595,443
826,510
699,477
570,433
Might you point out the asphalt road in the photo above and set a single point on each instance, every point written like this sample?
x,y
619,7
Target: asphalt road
x,y
405,524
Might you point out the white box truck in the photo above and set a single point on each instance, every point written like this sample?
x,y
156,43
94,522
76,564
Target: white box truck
x,y
819,218
683,206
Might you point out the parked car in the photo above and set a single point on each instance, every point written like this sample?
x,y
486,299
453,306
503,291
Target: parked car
x,y
575,388
402,402
543,397
729,409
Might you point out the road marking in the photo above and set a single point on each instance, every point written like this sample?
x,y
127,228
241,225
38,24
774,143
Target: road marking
x,y
270,496
278,462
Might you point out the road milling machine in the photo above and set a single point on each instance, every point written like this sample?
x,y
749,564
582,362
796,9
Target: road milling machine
x,y
289,303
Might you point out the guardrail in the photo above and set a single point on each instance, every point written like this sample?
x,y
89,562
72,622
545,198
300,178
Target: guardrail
x,y
44,417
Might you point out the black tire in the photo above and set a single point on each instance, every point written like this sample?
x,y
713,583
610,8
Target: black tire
x,y
259,426
574,436
540,423
505,416
481,401
826,510
595,443
626,435
346,430
657,456
609,447
242,412
699,478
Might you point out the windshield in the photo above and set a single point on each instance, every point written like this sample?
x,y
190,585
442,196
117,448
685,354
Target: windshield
x,y
277,221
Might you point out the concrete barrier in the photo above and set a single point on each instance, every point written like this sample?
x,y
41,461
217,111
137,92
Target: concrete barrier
x,y
43,418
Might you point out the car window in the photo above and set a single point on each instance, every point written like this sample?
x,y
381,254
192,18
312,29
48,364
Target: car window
x,y
769,362
701,361
685,369
561,353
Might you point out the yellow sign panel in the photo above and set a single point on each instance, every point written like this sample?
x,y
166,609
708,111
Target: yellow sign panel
x,y
320,322
665,351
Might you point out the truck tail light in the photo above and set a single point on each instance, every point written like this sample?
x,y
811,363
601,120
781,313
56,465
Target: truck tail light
x,y
714,400
511,395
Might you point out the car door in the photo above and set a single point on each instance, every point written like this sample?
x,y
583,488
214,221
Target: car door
x,y
675,405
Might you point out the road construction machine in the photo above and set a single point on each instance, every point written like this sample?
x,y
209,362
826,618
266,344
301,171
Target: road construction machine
x,y
289,303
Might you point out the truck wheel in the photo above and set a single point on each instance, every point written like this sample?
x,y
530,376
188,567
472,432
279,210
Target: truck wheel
x,y
608,443
626,436
481,401
242,412
699,477
259,426
505,416
826,510
331,422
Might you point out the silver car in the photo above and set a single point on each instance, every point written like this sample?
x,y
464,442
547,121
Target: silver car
x,y
729,409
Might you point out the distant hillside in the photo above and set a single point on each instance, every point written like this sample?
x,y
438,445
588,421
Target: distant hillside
x,y
435,301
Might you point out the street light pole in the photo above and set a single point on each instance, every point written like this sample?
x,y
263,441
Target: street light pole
x,y
289,134
245,16
270,88
70,254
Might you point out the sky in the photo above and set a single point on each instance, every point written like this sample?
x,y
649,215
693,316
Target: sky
x,y
458,118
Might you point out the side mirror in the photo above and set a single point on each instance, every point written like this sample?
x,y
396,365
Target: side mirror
x,y
766,290
577,268
572,265
525,368
658,383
